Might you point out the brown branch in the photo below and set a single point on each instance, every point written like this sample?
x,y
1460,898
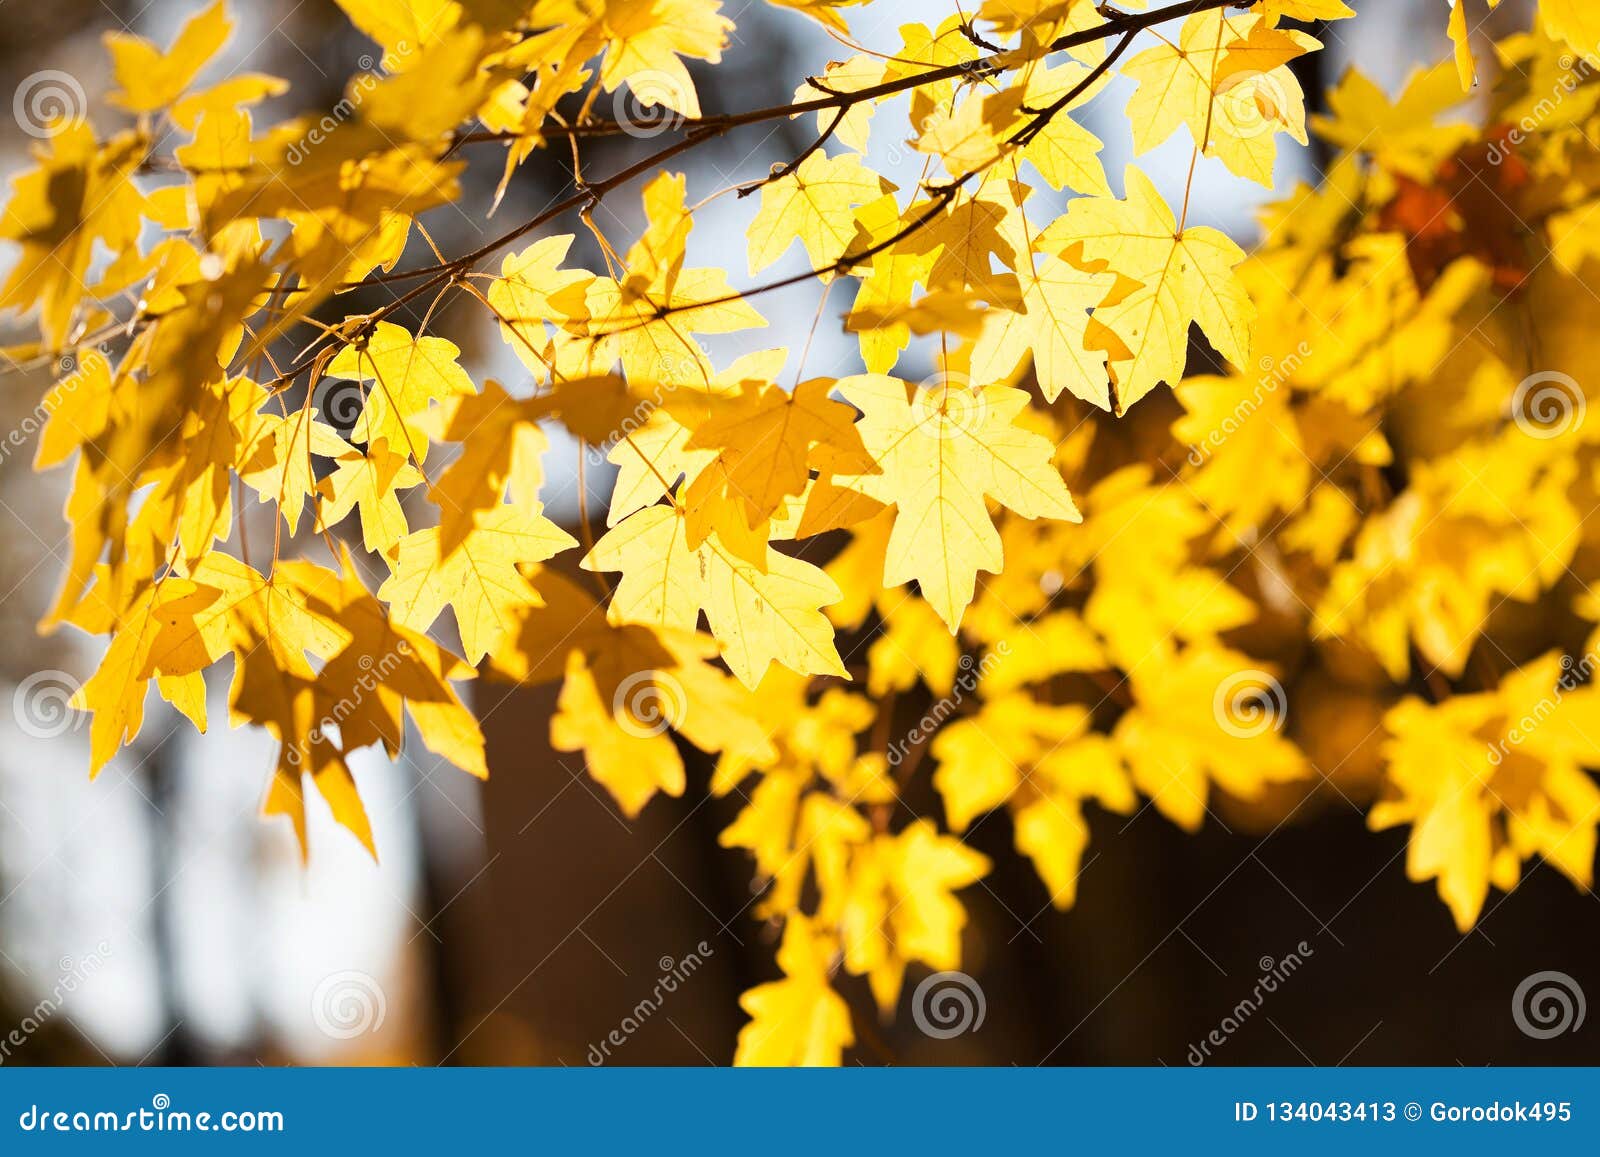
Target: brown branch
x,y
993,65
942,196
698,131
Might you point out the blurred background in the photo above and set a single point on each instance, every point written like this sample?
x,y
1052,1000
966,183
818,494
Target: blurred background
x,y
150,917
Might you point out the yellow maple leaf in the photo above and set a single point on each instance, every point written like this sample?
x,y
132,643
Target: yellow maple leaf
x,y
760,617
942,450
151,79
1488,781
764,439
894,905
370,482
1207,715
1050,326
814,205
1167,279
1226,80
478,579
407,375
798,1020
648,316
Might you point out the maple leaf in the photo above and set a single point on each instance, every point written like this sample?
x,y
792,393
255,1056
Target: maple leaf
x,y
1484,791
1226,80
1204,716
407,375
501,448
78,196
645,38
653,455
623,687
941,450
116,692
151,79
647,318
385,668
478,579
1167,279
533,290
798,1020
1403,134
814,205
889,278
759,616
280,465
1046,763
1051,325
370,481
1066,154
895,905
764,440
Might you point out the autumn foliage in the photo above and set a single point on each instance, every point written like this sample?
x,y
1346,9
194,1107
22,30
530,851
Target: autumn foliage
x,y
1169,525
